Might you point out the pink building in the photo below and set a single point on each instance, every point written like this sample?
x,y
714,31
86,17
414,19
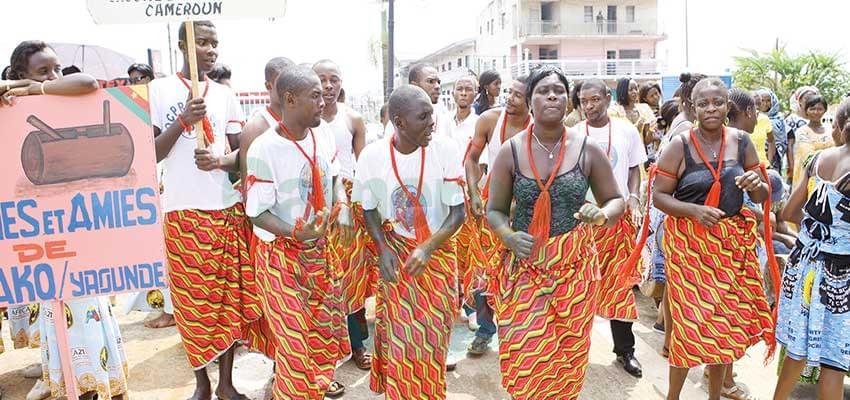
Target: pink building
x,y
585,38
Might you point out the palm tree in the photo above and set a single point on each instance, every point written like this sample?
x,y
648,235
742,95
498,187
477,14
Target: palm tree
x,y
783,73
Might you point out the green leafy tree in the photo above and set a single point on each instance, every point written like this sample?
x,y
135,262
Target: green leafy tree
x,y
783,73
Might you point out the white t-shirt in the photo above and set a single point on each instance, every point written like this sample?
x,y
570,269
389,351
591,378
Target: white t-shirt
x,y
283,176
627,149
185,186
464,132
376,186
443,120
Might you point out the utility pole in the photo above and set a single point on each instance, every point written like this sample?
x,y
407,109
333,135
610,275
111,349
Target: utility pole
x,y
170,52
687,41
391,49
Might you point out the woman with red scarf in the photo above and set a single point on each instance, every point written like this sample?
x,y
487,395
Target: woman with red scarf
x,y
545,286
715,286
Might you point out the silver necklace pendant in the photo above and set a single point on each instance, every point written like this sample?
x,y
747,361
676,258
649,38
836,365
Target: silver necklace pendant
x,y
551,156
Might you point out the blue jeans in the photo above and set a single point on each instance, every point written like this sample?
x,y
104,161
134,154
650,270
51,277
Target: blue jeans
x,y
484,317
358,330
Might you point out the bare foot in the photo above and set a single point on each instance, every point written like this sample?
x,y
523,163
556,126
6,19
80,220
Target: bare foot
x,y
201,393
229,393
163,321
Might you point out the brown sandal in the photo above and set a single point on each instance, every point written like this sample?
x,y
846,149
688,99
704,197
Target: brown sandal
x,y
736,393
335,389
362,359
665,352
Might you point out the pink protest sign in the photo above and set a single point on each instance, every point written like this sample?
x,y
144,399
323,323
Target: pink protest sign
x,y
79,198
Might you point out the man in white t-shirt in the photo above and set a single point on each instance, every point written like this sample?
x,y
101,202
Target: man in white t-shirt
x,y
290,191
468,240
356,259
258,335
408,186
624,147
427,78
204,217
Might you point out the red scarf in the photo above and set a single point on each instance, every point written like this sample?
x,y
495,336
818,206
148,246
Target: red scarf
x,y
420,221
541,218
713,199
208,131
317,194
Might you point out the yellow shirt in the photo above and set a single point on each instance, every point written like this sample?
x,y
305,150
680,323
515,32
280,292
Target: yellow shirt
x,y
807,144
759,136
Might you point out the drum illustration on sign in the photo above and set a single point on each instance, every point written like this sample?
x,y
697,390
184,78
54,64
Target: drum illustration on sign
x,y
62,155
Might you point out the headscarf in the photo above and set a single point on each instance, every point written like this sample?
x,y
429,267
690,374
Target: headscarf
x,y
796,107
775,116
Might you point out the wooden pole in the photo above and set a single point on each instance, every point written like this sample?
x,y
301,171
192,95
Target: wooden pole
x,y
193,73
65,356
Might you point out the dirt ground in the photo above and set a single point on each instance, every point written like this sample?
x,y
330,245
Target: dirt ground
x,y
158,368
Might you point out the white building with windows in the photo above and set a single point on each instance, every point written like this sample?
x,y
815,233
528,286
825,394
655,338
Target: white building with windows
x,y
605,39
452,62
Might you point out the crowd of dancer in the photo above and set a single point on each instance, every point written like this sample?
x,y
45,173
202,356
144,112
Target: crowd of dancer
x,y
533,217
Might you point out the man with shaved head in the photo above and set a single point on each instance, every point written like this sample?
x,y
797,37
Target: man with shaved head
x,y
407,184
266,117
290,191
356,260
258,334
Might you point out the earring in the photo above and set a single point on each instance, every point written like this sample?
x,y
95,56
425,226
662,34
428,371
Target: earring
x,y
726,122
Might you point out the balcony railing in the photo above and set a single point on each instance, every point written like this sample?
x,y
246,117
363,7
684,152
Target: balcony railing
x,y
605,28
602,69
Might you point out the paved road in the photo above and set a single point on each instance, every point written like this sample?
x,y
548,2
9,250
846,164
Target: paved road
x,y
158,370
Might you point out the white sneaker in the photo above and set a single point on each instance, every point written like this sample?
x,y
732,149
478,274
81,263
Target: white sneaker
x,y
40,391
33,371
472,323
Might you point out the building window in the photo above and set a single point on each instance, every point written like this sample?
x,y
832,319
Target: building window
x,y
481,30
629,54
546,13
504,62
492,25
548,53
459,62
502,22
630,13
450,65
466,61
588,14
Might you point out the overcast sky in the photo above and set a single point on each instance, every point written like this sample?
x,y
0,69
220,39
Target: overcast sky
x,y
343,30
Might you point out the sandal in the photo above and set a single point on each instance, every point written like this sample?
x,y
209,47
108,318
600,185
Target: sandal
x,y
335,389
665,352
362,359
736,393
